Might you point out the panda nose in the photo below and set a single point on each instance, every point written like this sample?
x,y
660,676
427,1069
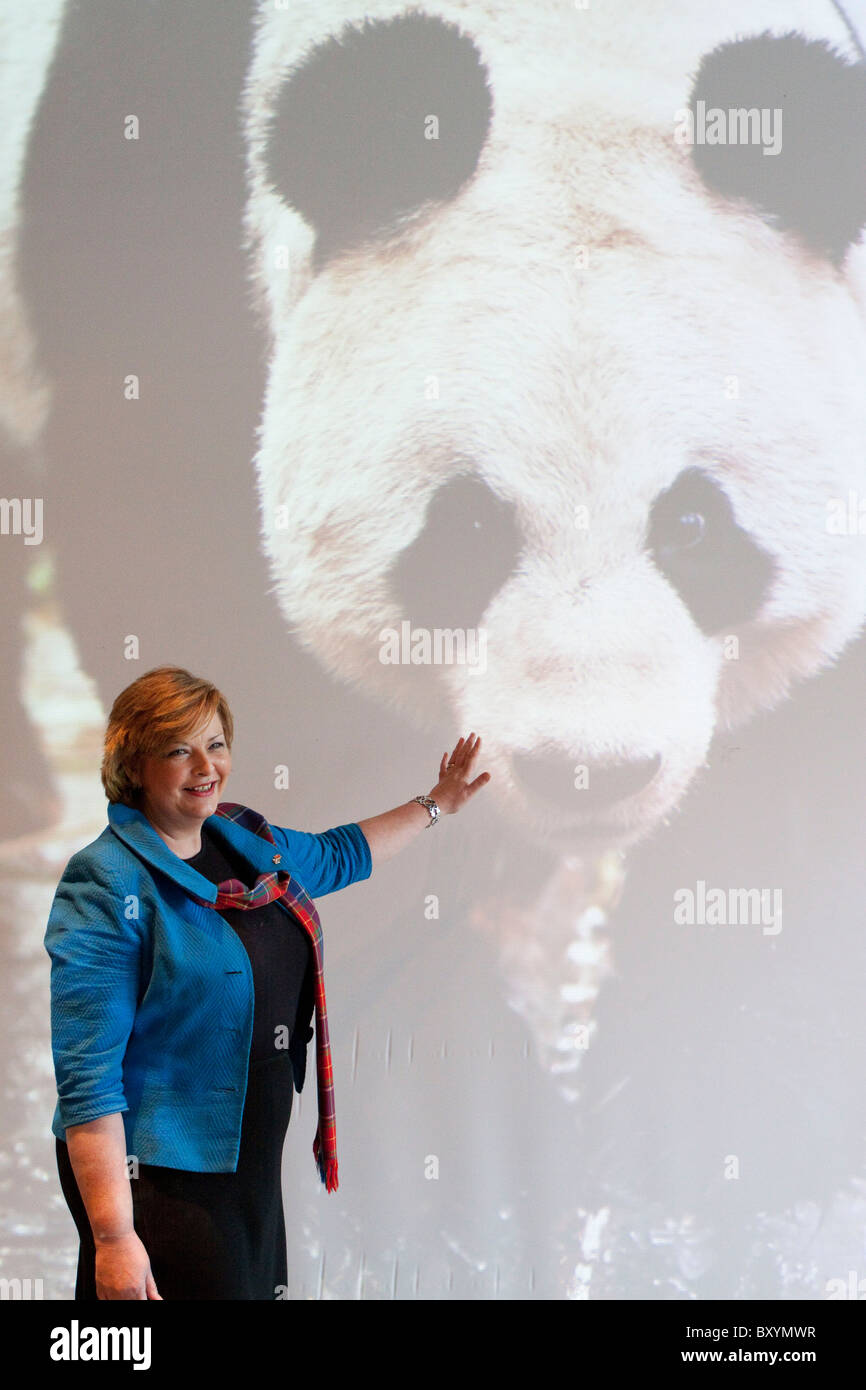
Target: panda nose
x,y
555,778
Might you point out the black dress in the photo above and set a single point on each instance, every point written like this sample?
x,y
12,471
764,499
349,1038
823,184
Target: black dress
x,y
222,1235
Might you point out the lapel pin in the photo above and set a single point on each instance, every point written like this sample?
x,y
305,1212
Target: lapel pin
x,y
276,859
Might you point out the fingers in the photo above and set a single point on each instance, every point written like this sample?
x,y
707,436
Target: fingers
x,y
461,763
480,781
463,760
465,749
470,753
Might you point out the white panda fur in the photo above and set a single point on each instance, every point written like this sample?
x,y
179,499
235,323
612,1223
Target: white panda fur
x,y
564,388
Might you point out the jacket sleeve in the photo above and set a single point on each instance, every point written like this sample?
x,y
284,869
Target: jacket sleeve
x,y
325,862
95,953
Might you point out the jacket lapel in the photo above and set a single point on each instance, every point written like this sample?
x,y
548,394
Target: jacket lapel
x,y
135,830
239,826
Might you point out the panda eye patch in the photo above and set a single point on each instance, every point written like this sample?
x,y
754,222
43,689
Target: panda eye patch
x,y
375,122
467,548
721,574
780,121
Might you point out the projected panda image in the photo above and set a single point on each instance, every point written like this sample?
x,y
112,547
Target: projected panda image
x,y
407,370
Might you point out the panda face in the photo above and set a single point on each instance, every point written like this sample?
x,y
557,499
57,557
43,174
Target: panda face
x,y
542,373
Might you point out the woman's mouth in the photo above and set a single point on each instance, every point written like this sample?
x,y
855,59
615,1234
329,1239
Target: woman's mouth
x,y
204,790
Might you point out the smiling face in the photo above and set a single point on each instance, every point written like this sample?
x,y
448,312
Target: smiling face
x,y
181,786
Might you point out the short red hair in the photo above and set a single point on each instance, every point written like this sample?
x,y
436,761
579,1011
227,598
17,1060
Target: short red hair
x,y
163,706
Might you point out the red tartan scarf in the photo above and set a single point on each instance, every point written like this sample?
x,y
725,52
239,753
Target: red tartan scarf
x,y
268,888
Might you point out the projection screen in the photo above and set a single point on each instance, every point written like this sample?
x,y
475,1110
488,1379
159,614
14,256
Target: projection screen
x,y
407,371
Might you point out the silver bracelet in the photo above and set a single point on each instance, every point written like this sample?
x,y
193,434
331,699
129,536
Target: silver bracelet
x,y
430,807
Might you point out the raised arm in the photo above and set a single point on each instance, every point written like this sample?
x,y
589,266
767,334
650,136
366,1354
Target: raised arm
x,y
391,831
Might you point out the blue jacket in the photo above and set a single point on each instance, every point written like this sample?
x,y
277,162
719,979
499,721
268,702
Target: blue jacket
x,y
152,993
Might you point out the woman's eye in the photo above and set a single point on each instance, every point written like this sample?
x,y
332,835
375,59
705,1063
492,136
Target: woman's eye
x,y
217,743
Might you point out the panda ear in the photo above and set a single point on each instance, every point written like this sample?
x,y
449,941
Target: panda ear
x,y
814,102
374,123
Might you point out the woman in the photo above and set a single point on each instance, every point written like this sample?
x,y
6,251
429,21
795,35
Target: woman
x,y
186,964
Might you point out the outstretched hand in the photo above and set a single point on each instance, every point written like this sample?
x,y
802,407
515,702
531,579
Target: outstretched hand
x,y
454,788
